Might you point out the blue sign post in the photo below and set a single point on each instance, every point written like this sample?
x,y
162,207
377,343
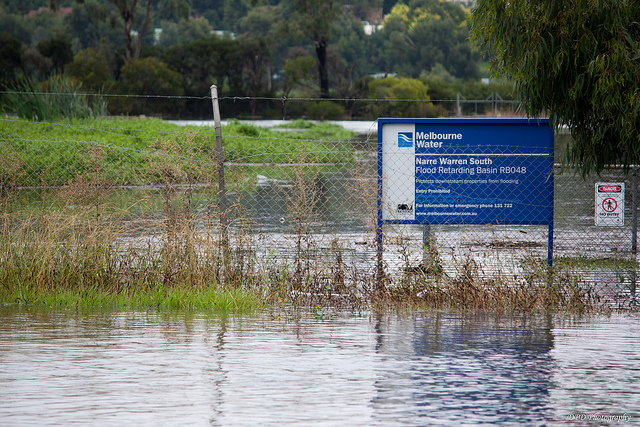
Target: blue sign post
x,y
465,171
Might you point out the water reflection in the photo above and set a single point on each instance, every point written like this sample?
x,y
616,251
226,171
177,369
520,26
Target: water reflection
x,y
471,369
290,368
598,371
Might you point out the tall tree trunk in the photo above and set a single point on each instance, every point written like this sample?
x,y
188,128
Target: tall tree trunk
x,y
127,13
127,17
315,18
321,52
144,29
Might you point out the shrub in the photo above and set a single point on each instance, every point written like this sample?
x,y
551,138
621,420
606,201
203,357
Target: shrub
x,y
90,67
409,98
325,110
154,85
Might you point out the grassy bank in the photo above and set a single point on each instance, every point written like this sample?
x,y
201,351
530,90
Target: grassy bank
x,y
71,239
134,151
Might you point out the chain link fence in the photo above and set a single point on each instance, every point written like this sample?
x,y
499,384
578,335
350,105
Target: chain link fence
x,y
295,198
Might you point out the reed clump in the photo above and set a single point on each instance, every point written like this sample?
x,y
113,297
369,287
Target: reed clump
x,y
80,258
56,98
540,289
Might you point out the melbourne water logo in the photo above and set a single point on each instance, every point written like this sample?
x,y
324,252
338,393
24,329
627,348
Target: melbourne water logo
x,y
405,139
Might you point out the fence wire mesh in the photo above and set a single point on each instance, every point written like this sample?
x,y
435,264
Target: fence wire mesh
x,y
296,199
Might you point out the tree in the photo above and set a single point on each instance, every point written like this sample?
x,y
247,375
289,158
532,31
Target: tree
x,y
237,67
315,18
16,25
92,22
11,64
256,60
410,98
127,13
183,32
297,70
423,33
207,61
578,60
91,68
148,76
58,49
353,47
348,63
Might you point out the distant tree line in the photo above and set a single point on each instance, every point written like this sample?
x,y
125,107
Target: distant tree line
x,y
252,50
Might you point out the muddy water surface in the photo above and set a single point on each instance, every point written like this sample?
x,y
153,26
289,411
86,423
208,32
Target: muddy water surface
x,y
315,368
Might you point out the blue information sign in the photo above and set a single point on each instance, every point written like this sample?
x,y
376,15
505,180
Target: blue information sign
x,y
465,171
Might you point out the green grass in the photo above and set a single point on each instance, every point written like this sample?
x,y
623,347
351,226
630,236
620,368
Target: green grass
x,y
161,298
320,142
136,151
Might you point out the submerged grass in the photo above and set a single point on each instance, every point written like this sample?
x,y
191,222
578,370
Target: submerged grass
x,y
541,290
610,263
87,253
82,260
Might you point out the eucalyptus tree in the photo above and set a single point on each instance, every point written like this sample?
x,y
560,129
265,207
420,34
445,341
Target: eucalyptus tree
x,y
419,35
11,64
58,50
127,10
579,62
92,23
314,19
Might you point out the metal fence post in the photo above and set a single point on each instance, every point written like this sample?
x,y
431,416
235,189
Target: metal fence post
x,y
634,229
379,285
634,210
426,245
222,199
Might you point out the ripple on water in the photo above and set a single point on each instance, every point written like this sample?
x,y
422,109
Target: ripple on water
x,y
124,368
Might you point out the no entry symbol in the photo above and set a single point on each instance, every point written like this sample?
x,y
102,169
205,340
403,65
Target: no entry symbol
x,y
609,204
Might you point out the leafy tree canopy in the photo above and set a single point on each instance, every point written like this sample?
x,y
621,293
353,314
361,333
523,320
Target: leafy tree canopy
x,y
58,49
183,32
404,91
91,68
297,70
578,61
423,33
91,23
148,76
11,54
314,18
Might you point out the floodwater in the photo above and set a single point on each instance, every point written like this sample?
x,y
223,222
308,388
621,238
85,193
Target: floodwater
x,y
365,127
317,368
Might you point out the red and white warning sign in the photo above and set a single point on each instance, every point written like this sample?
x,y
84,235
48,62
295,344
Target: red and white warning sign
x,y
610,204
